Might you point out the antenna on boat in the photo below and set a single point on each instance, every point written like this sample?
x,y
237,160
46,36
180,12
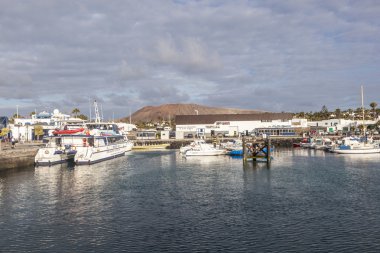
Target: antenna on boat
x,y
97,116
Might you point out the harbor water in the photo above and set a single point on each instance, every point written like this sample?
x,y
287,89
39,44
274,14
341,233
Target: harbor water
x,y
159,201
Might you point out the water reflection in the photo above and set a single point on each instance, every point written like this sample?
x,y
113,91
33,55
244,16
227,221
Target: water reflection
x,y
160,201
359,158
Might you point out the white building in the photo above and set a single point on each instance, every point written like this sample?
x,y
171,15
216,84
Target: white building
x,y
125,128
335,125
233,124
23,128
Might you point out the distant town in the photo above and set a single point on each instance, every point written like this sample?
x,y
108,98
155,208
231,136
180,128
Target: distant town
x,y
35,126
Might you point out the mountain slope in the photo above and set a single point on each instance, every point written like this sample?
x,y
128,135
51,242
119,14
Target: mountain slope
x,y
166,111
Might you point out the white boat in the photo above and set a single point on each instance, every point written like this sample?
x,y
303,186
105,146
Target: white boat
x,y
233,145
322,143
355,145
100,148
89,143
193,144
57,150
204,149
308,144
102,142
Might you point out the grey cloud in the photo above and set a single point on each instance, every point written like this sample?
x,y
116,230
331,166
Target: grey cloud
x,y
209,52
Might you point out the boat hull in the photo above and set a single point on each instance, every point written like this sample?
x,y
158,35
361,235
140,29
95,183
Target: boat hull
x,y
52,156
356,151
91,155
205,152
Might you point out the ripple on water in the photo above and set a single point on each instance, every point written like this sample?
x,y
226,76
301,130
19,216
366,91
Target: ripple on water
x,y
160,201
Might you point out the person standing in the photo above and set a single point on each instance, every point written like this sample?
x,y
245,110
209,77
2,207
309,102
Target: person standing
x,y
13,140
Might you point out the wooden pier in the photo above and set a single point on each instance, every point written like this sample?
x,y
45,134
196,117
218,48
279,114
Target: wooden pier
x,y
257,151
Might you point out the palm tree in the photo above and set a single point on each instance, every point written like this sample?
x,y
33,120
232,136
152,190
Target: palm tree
x,y
76,111
338,113
373,105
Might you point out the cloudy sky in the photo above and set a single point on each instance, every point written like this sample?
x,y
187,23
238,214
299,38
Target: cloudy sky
x,y
294,55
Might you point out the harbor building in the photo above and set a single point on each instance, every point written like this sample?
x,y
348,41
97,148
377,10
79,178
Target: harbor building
x,y
23,128
236,124
335,126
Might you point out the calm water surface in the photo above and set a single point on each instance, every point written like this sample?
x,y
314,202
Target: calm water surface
x,y
307,201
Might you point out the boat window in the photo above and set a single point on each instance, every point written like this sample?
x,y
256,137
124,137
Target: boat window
x,y
58,141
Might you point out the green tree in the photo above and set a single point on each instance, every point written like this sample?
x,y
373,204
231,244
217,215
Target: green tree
x,y
38,131
75,112
4,131
324,114
373,105
84,117
338,113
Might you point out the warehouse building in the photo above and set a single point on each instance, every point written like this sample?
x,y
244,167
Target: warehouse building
x,y
234,124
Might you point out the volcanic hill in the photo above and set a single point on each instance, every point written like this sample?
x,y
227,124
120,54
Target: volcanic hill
x,y
166,111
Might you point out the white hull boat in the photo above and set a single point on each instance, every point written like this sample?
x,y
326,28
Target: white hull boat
x,y
57,150
357,151
200,152
352,145
101,149
204,149
49,156
322,143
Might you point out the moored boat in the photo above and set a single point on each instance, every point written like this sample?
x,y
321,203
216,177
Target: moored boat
x,y
355,145
57,150
101,148
204,149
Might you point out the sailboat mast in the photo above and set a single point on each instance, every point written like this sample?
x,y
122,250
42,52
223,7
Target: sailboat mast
x,y
363,108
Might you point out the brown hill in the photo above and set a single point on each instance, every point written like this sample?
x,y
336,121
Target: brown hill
x,y
166,111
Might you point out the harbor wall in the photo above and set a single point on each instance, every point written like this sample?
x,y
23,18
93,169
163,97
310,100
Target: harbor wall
x,y
17,158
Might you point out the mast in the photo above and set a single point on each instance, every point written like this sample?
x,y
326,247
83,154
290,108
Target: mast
x,y
97,116
101,111
89,103
363,109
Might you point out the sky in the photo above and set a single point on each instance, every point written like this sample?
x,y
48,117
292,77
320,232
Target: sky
x,y
294,55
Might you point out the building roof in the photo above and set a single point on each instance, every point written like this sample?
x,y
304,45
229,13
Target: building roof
x,y
212,118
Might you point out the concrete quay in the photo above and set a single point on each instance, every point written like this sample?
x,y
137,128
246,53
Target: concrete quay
x,y
20,156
